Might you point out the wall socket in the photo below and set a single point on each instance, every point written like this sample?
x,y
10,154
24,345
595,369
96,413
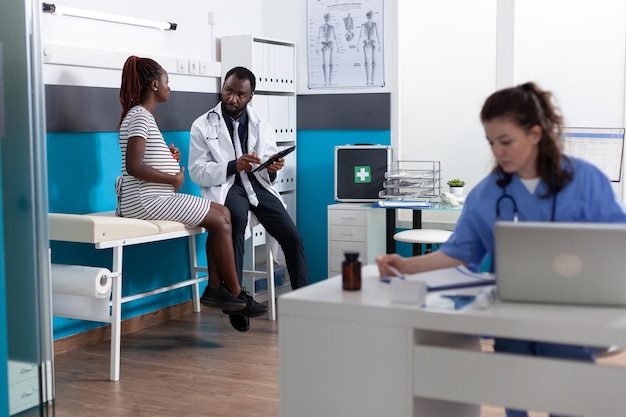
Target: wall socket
x,y
203,68
182,66
193,66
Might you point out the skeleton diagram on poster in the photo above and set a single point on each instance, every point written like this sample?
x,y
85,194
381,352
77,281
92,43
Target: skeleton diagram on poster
x,y
345,43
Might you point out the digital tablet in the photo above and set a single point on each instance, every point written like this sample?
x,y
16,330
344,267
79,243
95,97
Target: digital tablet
x,y
279,155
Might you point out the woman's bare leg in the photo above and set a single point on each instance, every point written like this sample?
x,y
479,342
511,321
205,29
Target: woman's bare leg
x,y
219,249
220,254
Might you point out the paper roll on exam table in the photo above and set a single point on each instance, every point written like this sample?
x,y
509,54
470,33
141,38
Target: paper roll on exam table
x,y
81,280
81,291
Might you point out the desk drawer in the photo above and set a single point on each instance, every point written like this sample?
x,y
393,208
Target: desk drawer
x,y
21,371
348,233
338,247
24,395
347,217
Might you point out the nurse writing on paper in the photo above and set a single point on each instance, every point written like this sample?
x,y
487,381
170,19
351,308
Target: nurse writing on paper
x,y
523,129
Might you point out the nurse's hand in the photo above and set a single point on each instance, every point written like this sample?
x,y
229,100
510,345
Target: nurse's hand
x,y
395,261
244,162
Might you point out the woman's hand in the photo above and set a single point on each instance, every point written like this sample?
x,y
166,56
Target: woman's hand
x,y
175,152
395,261
179,179
414,264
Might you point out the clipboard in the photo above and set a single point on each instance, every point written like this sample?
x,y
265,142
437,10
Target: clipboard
x,y
279,155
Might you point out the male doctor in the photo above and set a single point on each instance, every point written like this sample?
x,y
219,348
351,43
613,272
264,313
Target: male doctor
x,y
226,144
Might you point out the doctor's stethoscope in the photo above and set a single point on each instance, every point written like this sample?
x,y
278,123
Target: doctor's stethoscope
x,y
507,196
214,120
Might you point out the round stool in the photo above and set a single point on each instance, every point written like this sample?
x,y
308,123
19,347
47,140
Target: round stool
x,y
422,236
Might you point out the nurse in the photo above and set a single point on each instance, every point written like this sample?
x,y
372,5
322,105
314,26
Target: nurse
x,y
532,180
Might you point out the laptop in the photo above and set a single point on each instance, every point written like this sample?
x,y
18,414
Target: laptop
x,y
561,263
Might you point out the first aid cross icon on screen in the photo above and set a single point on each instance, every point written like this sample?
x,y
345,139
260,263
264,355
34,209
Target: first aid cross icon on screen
x,y
362,174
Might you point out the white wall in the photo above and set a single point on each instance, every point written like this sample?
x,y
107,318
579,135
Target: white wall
x,y
447,67
579,53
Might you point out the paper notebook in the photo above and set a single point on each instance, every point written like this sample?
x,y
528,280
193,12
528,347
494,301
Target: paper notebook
x,y
451,278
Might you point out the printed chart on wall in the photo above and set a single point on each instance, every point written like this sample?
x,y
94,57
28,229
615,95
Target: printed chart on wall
x,y
345,43
603,147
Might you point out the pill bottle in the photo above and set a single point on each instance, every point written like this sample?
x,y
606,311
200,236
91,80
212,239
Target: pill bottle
x,y
351,271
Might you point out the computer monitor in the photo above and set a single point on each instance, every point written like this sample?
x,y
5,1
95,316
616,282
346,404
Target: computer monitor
x,y
603,147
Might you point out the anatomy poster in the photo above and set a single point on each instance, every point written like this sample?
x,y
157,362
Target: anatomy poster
x,y
345,43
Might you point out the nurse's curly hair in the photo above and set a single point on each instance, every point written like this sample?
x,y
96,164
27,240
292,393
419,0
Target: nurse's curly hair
x,y
527,106
137,75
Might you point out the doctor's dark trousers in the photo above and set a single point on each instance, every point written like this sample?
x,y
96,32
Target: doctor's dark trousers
x,y
276,221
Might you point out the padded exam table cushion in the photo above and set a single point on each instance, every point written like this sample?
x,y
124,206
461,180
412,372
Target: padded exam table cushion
x,y
104,227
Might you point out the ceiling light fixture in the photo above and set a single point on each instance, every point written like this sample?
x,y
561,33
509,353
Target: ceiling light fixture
x,y
107,17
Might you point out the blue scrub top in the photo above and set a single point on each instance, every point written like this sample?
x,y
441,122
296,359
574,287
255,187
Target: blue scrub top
x,y
589,197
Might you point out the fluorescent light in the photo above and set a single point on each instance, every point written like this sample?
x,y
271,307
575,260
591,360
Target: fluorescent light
x,y
107,17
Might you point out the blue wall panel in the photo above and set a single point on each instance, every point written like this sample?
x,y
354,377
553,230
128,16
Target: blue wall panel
x,y
315,185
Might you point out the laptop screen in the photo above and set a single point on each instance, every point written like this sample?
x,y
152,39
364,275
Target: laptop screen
x,y
603,147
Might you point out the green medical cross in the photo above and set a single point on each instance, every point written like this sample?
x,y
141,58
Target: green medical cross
x,y
362,174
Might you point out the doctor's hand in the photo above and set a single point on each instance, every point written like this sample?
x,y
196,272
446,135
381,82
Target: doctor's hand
x,y
244,162
388,262
277,165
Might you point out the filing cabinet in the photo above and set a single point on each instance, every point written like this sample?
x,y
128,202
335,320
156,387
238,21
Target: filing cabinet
x,y
353,226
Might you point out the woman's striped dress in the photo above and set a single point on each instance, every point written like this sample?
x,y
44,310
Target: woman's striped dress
x,y
148,200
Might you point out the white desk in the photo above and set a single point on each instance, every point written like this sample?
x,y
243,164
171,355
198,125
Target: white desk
x,y
356,354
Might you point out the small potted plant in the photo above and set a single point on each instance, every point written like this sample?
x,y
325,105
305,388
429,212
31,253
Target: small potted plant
x,y
456,186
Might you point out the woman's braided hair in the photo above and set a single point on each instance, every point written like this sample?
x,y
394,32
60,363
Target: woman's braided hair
x,y
137,75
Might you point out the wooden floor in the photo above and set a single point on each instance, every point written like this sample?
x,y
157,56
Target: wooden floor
x,y
196,365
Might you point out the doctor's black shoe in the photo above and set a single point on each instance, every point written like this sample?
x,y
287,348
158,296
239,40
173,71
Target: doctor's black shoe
x,y
252,309
239,323
220,297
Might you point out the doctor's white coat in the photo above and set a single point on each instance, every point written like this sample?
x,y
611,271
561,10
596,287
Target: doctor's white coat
x,y
211,149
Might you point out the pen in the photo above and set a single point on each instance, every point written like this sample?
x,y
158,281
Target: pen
x,y
394,271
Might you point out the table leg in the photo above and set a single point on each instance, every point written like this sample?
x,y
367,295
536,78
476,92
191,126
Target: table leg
x,y
391,229
417,224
